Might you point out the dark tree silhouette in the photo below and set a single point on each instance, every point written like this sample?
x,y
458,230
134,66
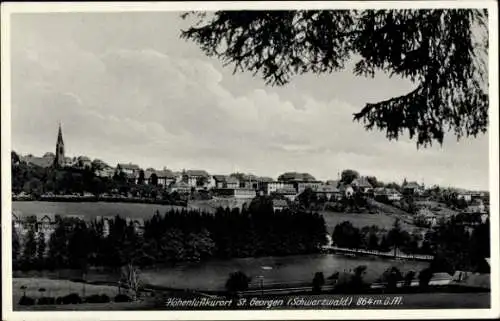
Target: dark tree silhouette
x,y
238,281
140,179
154,179
348,175
392,276
318,282
442,51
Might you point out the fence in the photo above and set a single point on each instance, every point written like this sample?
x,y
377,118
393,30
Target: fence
x,y
378,253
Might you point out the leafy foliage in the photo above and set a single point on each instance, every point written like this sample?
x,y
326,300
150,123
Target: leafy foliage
x,y
237,281
348,175
442,51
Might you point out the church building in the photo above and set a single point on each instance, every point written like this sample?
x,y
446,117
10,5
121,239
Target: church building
x,y
59,160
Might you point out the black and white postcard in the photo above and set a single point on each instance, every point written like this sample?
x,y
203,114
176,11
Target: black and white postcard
x,y
250,160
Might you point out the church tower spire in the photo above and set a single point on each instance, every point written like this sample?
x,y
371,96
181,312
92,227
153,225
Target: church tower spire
x,y
59,160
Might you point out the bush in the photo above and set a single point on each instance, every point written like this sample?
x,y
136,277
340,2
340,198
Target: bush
x,y
46,301
318,282
122,298
424,277
237,281
96,298
26,300
59,300
73,298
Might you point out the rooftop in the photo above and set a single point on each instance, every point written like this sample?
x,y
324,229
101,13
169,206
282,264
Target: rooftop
x,y
196,172
294,176
129,166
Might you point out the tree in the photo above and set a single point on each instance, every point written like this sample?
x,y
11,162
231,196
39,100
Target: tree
x,y
408,278
357,283
237,281
348,175
58,244
16,247
346,235
154,179
392,276
307,197
442,51
396,236
318,282
424,277
201,181
373,240
14,158
130,277
30,245
374,182
41,247
140,179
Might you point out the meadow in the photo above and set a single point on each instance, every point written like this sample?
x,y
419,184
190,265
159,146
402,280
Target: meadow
x,y
91,209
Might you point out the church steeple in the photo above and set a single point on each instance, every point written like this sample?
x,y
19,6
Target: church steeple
x,y
59,160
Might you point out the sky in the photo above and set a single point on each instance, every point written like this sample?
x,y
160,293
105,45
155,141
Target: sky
x,y
126,88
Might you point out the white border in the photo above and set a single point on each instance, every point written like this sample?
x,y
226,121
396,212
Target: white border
x,y
8,314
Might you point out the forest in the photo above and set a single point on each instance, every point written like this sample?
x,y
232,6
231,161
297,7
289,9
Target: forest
x,y
186,235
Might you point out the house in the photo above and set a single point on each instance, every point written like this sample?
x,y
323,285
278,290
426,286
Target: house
x,y
393,195
476,208
137,224
362,185
46,161
300,181
102,169
302,186
68,162
279,204
45,223
105,172
329,192
220,181
232,182
106,222
130,170
239,193
84,162
288,193
273,186
257,182
465,195
296,177
333,182
195,178
162,177
379,192
412,188
346,190
427,216
180,187
389,194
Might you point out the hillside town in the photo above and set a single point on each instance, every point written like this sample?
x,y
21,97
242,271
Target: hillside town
x,y
412,202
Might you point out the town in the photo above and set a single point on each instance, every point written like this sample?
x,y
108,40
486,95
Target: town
x,y
129,182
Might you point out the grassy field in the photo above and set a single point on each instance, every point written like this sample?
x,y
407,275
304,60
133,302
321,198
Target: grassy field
x,y
361,220
56,288
91,209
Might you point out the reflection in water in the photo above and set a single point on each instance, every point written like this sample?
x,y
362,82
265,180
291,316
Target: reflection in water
x,y
212,275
